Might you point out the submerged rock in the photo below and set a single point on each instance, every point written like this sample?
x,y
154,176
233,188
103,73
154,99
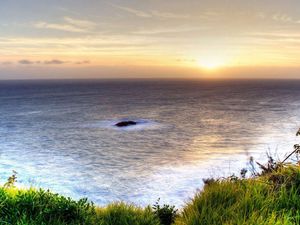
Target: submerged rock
x,y
125,123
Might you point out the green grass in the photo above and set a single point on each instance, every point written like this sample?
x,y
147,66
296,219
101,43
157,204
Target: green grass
x,y
123,214
38,207
42,207
271,198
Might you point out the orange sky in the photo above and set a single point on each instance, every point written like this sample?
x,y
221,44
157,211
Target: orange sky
x,y
172,38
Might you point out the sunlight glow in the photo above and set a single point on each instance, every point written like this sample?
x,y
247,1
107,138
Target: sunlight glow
x,y
211,63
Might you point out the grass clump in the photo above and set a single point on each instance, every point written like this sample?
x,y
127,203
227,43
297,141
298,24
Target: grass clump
x,y
124,214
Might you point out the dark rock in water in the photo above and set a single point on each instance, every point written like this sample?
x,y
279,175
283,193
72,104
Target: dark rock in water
x,y
125,123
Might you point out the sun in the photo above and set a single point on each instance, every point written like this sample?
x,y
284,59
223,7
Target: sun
x,y
212,60
210,63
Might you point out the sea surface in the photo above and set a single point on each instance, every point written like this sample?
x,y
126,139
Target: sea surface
x,y
60,135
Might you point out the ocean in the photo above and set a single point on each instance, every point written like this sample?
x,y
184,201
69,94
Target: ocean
x,y
60,134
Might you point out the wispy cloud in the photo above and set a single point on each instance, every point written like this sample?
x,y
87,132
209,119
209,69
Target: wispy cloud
x,y
169,15
152,13
289,39
138,13
284,18
56,26
69,24
56,47
69,11
276,34
168,30
84,24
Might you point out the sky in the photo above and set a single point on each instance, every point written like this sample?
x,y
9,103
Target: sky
x,y
43,39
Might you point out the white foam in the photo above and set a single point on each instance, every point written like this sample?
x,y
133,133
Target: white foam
x,y
28,113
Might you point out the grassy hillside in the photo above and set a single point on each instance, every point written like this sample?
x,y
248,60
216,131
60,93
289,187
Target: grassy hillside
x,y
271,198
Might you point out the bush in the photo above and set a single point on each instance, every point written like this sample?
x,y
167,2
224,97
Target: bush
x,y
166,213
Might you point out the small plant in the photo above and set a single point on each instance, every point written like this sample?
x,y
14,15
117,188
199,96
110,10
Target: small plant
x,y
233,178
209,181
165,213
298,132
243,173
271,166
11,180
252,167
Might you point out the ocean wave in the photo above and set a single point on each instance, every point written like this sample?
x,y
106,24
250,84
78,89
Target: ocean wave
x,y
28,113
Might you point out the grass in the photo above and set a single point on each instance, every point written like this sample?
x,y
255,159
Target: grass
x,y
270,198
42,207
124,214
38,207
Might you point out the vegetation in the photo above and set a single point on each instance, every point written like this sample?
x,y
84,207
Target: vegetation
x,y
123,214
270,196
38,207
269,199
42,207
166,213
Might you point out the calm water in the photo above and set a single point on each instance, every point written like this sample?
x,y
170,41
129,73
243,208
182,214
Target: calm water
x,y
60,134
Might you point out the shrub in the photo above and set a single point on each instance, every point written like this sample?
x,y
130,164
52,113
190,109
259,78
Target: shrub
x,y
165,213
